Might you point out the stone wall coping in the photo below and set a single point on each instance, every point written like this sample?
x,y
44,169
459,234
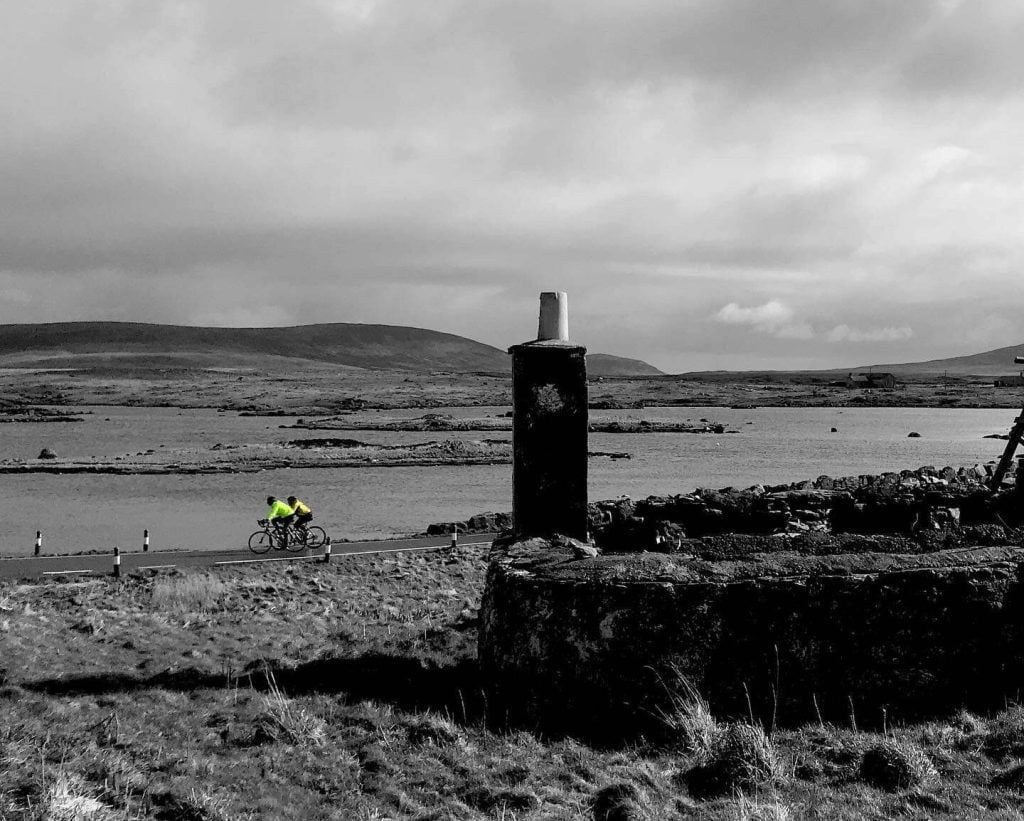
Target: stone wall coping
x,y
559,563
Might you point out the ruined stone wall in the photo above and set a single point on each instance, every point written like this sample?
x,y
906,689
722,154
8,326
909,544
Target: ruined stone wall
x,y
587,645
909,502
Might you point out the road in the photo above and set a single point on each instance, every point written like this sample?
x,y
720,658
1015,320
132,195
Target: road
x,y
96,564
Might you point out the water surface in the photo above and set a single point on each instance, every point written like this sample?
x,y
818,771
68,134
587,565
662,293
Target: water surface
x,y
772,445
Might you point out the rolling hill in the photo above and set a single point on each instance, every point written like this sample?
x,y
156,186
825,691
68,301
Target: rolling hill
x,y
141,346
996,362
603,364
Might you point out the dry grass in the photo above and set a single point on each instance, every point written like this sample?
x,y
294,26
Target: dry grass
x,y
761,809
282,720
192,593
689,721
896,765
65,798
349,691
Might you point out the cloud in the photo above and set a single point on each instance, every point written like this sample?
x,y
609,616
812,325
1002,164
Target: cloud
x,y
227,162
773,317
844,333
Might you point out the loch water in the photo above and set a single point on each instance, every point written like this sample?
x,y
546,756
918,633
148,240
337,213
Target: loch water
x,y
763,445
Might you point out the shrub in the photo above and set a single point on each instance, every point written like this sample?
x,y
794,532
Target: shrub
x,y
742,757
896,765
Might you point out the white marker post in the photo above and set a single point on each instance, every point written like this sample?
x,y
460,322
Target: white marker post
x,y
554,316
327,551
145,541
455,537
117,563
39,541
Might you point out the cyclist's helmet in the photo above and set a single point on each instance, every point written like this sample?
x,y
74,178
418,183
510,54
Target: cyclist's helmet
x,y
292,500
271,500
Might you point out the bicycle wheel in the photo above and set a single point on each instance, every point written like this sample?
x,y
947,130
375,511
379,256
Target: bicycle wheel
x,y
260,541
315,536
294,541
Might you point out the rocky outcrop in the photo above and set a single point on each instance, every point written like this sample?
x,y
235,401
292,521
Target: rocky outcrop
x,y
591,646
480,523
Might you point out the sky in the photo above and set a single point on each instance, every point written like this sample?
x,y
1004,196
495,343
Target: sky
x,y
726,184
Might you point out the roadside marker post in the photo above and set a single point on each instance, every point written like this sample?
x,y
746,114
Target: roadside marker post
x,y
39,542
327,551
117,563
145,541
455,537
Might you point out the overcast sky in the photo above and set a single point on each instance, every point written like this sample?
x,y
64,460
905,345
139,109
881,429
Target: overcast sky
x,y
720,184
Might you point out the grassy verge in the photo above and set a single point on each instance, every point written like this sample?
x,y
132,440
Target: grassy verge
x,y
349,691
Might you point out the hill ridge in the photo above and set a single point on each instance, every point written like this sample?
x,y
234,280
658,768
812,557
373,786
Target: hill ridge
x,y
377,346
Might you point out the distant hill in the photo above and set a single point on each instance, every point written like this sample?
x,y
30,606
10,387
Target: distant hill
x,y
603,364
998,362
141,346
144,346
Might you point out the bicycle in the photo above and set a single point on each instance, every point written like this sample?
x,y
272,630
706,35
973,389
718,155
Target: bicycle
x,y
292,539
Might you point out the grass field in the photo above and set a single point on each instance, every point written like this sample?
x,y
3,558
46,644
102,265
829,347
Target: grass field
x,y
350,691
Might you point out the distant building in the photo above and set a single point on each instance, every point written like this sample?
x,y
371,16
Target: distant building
x,y
1015,381
871,380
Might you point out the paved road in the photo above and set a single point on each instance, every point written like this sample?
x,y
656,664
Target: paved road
x,y
103,563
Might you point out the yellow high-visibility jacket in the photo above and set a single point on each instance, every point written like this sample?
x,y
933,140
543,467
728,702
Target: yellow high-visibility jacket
x,y
278,510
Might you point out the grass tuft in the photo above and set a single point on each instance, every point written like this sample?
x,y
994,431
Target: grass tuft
x,y
194,593
283,721
65,799
622,802
755,809
688,720
432,729
896,765
742,757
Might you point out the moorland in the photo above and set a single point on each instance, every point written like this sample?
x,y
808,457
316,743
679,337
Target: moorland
x,y
350,690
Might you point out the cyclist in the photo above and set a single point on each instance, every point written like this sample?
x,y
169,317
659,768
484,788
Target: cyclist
x,y
303,513
280,516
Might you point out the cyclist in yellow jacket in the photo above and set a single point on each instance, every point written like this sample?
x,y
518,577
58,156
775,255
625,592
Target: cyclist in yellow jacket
x,y
280,516
303,513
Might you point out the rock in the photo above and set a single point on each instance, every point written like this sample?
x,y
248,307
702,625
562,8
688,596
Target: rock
x,y
581,550
585,551
913,435
46,453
